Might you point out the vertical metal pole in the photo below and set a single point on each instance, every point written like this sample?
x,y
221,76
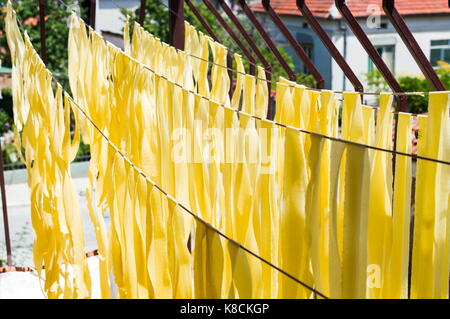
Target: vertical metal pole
x,y
142,12
294,43
5,210
372,52
412,45
92,12
42,30
328,43
176,14
251,16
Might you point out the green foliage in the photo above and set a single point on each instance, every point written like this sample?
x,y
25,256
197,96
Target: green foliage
x,y
6,112
5,120
416,104
10,155
56,31
157,22
376,82
84,149
306,79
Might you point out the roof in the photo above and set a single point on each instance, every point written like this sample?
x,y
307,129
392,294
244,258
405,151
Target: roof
x,y
326,8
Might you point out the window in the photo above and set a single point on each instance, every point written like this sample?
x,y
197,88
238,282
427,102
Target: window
x,y
387,53
307,43
440,51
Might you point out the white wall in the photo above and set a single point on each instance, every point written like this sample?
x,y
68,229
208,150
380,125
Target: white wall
x,y
108,16
424,30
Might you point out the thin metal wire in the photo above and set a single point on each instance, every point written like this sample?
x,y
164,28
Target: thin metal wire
x,y
275,82
196,217
312,89
175,201
234,52
272,82
249,115
413,156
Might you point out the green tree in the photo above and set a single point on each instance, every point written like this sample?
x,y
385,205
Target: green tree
x,y
56,34
56,30
157,22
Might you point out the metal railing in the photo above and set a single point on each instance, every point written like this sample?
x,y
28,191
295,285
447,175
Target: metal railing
x,y
176,13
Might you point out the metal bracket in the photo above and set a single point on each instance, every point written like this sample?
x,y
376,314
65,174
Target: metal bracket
x,y
248,12
294,43
412,45
372,52
232,34
328,43
211,33
252,44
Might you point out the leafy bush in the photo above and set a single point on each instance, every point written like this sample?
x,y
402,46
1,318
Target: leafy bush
x,y
416,104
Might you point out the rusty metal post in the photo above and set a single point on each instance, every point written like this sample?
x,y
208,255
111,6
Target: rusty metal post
x,y
42,30
233,35
328,43
176,14
412,45
372,52
142,12
5,210
294,43
92,12
251,16
254,47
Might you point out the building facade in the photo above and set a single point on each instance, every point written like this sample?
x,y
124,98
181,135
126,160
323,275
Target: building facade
x,y
428,20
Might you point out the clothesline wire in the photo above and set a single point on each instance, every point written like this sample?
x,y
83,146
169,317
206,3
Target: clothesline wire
x,y
200,219
275,82
228,49
272,82
195,216
413,156
174,200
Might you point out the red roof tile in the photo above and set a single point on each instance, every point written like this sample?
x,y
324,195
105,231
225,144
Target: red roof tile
x,y
359,8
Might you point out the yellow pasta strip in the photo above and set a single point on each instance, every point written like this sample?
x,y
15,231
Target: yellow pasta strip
x,y
355,203
380,201
397,276
43,117
430,246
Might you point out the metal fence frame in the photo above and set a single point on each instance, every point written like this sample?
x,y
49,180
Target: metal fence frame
x,y
176,13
